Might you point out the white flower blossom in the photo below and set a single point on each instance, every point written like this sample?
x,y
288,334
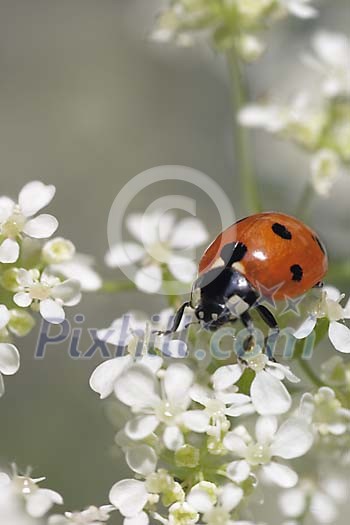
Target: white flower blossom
x,y
46,292
37,501
216,504
291,440
90,516
158,241
80,268
329,307
17,220
321,499
325,171
330,58
218,406
300,8
268,394
130,496
9,355
156,402
325,412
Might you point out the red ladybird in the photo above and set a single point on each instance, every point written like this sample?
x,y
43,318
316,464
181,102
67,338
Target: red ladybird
x,y
265,255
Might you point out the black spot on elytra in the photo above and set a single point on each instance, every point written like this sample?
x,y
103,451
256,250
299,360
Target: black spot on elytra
x,y
281,231
297,272
320,244
233,252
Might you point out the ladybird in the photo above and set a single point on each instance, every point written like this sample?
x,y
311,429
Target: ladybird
x,y
266,255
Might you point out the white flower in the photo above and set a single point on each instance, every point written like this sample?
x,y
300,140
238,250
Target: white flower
x,y
325,170
9,355
321,499
158,238
329,307
212,419
37,501
80,268
268,394
300,8
47,292
90,516
291,440
16,220
216,504
325,412
331,60
130,496
156,402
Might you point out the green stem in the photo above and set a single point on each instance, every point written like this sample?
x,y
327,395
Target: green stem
x,y
242,145
303,206
117,286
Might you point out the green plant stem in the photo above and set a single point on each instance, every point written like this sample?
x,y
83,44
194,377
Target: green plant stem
x,y
303,206
117,286
242,145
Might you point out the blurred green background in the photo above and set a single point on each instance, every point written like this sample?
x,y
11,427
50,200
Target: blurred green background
x,y
86,103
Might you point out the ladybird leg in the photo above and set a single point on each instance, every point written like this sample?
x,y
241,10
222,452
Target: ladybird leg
x,y
271,322
176,322
320,284
248,323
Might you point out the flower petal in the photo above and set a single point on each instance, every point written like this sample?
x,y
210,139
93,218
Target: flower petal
x,y
124,254
301,9
142,459
103,378
265,429
184,270
51,311
41,227
269,395
178,379
9,359
173,438
339,335
129,496
9,251
235,444
140,427
149,279
203,496
67,291
40,502
139,519
6,208
293,439
282,475
4,316
137,387
305,328
196,420
226,376
231,496
238,471
22,299
188,233
34,196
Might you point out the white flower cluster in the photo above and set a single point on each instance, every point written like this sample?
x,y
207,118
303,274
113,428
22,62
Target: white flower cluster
x,y
23,501
229,23
320,124
200,435
37,272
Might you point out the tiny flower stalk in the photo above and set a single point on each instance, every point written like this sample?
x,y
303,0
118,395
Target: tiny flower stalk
x,y
242,145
